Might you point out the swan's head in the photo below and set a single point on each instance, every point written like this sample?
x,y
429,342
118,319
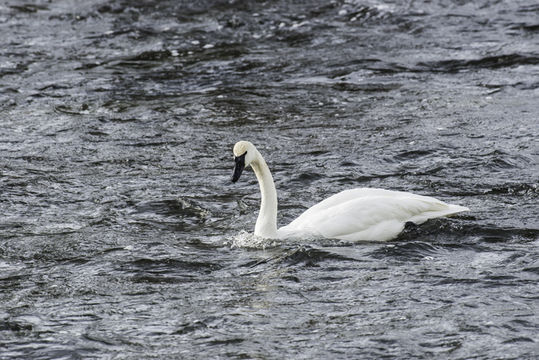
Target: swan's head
x,y
244,155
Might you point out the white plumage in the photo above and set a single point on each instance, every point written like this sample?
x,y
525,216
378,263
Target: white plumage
x,y
358,214
366,214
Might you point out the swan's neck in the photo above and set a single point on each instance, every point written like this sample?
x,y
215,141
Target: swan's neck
x,y
266,224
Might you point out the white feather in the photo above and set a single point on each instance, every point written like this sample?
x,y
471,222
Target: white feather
x,y
367,214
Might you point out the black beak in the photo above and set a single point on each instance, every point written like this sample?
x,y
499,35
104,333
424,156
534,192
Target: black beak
x,y
238,168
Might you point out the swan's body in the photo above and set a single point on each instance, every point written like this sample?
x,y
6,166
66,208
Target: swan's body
x,y
354,215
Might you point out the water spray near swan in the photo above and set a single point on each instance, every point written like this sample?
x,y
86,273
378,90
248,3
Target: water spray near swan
x,y
360,214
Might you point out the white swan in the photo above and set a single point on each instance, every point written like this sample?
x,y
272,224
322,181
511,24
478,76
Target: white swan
x,y
354,215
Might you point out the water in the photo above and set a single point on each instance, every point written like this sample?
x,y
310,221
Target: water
x,y
120,225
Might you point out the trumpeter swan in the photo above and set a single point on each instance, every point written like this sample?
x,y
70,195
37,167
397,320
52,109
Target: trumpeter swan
x,y
358,214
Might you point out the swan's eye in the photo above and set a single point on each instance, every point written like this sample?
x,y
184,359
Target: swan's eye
x,y
241,156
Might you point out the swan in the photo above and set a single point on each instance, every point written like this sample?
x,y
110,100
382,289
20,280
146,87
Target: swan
x,y
360,214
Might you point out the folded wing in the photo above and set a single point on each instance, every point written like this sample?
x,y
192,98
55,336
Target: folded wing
x,y
367,214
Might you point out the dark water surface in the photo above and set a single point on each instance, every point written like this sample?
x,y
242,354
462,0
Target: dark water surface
x,y
119,222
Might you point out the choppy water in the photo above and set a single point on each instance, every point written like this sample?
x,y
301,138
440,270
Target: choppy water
x,y
119,219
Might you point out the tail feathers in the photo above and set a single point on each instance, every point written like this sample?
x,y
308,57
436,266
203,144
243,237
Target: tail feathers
x,y
449,211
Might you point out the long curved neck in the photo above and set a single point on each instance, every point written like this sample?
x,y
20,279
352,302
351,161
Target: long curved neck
x,y
266,224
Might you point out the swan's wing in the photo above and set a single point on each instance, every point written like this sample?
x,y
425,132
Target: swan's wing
x,y
368,214
358,193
